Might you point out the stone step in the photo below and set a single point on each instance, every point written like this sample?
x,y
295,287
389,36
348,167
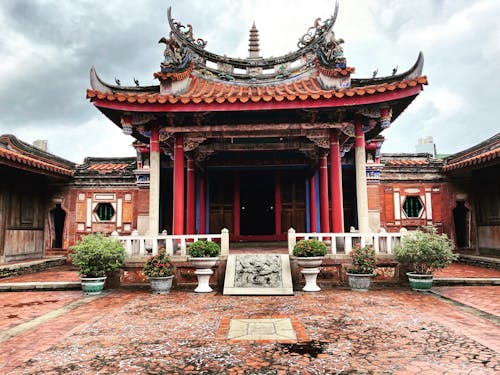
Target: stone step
x,y
39,286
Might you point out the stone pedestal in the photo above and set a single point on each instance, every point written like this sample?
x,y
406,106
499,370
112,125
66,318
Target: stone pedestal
x,y
310,274
203,275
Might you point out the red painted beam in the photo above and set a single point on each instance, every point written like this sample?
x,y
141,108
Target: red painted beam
x,y
191,198
336,184
203,204
178,203
323,192
345,101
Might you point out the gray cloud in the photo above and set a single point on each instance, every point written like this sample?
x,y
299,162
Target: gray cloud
x,y
48,48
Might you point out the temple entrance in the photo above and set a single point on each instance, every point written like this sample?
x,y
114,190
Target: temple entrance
x,y
58,216
461,219
257,203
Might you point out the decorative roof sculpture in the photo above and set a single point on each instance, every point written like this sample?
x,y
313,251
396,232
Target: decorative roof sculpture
x,y
313,78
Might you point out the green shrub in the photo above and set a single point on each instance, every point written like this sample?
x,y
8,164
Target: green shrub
x,y
363,260
159,265
309,248
426,250
96,255
204,249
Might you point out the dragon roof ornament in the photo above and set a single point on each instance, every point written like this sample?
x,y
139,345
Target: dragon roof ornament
x,y
309,42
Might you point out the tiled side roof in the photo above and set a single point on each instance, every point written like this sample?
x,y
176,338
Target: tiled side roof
x,y
17,158
202,90
474,160
406,162
107,167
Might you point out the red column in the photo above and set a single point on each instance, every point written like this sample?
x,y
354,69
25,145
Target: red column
x,y
203,205
191,198
277,204
336,184
312,203
179,185
323,192
236,204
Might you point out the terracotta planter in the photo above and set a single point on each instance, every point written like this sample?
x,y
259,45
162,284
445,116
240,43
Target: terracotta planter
x,y
161,285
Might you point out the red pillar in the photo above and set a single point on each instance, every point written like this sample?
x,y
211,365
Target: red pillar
x,y
179,185
203,204
336,184
236,205
323,192
191,198
312,203
277,204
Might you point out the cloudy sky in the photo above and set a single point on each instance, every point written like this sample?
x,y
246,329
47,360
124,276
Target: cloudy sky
x,y
48,46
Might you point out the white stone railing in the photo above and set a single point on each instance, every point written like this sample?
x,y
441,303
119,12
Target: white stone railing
x,y
342,243
140,246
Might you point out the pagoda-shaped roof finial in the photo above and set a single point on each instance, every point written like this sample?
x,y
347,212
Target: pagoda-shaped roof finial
x,y
253,45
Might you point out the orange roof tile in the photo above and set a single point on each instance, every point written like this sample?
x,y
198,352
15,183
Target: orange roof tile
x,y
406,162
107,167
473,160
15,157
202,90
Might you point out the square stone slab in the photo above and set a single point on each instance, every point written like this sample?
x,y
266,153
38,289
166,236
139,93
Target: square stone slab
x,y
258,274
275,329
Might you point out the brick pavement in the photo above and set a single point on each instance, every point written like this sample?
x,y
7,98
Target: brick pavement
x,y
388,331
484,298
60,273
466,270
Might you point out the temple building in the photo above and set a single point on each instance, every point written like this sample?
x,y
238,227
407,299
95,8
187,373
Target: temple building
x,y
255,145
259,145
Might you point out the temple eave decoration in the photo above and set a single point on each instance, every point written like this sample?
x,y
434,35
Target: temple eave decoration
x,y
314,79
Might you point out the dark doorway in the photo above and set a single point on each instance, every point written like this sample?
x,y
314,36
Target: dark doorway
x,y
461,219
257,203
58,218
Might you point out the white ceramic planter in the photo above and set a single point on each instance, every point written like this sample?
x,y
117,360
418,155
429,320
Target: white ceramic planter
x,y
310,272
203,272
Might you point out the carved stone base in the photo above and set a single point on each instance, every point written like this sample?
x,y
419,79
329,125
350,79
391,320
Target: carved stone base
x,y
310,274
203,275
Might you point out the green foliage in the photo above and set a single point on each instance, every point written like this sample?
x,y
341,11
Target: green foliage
x,y
96,255
363,260
204,249
159,265
309,248
426,250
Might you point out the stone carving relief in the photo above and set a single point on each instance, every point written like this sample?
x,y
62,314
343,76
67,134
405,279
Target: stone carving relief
x,y
258,272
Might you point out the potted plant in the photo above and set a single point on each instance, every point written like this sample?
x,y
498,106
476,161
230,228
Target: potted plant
x,y
364,263
159,269
203,255
96,255
425,251
310,255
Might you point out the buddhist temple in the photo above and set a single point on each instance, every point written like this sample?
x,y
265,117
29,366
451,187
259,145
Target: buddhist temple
x,y
258,145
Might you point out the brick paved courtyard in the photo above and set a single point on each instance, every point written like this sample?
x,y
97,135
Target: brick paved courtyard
x,y
384,331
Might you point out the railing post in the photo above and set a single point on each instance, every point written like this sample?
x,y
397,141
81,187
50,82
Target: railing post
x,y
224,241
169,246
292,240
348,244
155,245
134,242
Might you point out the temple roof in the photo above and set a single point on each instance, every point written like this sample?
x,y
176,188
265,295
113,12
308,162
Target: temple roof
x,y
481,155
310,86
209,91
18,154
